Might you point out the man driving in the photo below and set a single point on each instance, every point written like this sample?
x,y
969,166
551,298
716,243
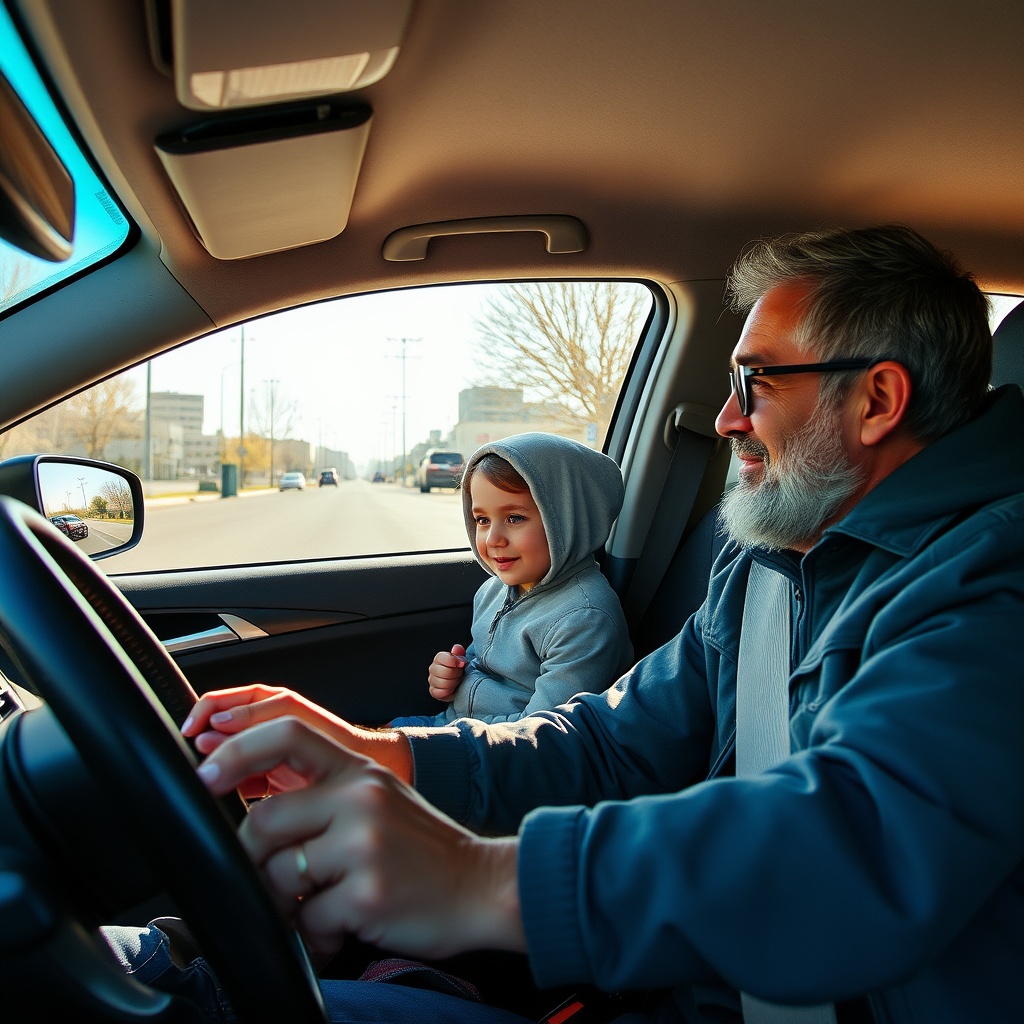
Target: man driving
x,y
872,867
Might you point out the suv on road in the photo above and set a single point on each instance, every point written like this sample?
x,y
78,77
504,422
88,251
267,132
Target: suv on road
x,y
439,468
328,477
71,526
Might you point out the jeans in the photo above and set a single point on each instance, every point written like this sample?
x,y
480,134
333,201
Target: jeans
x,y
424,720
153,957
150,956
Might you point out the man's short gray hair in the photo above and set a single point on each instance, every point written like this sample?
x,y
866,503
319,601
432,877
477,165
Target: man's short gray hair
x,y
883,292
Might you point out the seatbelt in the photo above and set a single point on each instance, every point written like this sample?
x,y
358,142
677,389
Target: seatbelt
x,y
762,729
675,503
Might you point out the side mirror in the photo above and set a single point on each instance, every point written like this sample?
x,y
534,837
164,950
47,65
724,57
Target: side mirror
x,y
96,505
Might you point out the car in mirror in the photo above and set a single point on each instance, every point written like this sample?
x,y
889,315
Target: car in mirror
x,y
96,505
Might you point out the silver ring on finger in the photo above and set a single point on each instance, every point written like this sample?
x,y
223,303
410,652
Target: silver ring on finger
x,y
306,883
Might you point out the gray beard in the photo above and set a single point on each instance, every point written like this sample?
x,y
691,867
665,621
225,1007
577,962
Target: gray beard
x,y
794,499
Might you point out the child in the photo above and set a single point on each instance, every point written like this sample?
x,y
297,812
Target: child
x,y
548,624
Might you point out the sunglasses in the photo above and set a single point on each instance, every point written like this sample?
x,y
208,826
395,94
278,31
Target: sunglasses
x,y
739,376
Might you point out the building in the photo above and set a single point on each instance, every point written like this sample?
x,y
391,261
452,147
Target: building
x,y
180,449
489,413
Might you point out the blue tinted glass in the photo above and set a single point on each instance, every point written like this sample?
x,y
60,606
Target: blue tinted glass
x,y
100,226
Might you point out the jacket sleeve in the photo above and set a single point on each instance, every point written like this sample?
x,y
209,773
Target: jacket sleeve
x,y
584,651
860,860
637,736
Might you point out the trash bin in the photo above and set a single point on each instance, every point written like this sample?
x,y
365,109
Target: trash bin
x,y
228,480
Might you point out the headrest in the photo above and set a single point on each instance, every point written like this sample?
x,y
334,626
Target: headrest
x,y
1008,349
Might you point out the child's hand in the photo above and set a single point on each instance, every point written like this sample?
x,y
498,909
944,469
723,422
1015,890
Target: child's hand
x,y
445,673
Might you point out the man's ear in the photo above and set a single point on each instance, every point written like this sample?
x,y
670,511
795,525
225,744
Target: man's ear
x,y
885,395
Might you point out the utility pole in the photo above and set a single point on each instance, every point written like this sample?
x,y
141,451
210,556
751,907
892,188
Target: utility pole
x,y
147,455
241,416
405,451
273,387
393,456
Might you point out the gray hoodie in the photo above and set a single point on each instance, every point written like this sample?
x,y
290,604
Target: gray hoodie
x,y
534,650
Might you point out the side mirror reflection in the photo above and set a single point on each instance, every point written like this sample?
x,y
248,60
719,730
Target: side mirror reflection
x,y
97,505
89,505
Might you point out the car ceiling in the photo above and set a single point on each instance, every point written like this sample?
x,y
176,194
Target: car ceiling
x,y
675,131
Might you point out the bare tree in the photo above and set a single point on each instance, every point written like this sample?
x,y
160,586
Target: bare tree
x,y
271,420
14,272
48,431
117,495
566,344
105,411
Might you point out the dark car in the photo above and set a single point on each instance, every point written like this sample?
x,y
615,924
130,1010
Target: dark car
x,y
71,526
328,478
439,469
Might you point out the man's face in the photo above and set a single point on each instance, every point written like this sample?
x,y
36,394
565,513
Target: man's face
x,y
510,536
796,473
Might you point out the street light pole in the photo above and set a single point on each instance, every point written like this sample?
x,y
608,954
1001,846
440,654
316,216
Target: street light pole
x,y
224,369
403,357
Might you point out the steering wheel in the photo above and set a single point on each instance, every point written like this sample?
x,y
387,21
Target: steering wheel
x,y
96,665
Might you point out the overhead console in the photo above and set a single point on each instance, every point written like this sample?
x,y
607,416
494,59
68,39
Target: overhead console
x,y
274,163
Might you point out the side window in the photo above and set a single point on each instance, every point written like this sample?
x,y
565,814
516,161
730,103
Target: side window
x,y
340,428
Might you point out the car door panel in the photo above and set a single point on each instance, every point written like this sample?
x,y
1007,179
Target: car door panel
x,y
355,635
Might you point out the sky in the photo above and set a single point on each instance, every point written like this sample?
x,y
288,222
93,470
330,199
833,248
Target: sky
x,y
70,486
340,365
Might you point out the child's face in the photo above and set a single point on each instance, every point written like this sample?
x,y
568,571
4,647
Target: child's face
x,y
509,534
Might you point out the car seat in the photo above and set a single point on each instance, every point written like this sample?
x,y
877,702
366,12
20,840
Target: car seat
x,y
1008,349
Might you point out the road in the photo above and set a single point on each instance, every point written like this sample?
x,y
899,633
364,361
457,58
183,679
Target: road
x,y
103,534
355,518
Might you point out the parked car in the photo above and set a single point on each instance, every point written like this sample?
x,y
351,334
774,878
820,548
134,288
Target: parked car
x,y
359,271
328,478
439,468
71,526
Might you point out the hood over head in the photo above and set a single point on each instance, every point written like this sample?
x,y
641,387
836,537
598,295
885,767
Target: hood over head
x,y
578,491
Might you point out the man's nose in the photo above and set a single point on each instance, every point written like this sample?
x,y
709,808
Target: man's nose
x,y
731,421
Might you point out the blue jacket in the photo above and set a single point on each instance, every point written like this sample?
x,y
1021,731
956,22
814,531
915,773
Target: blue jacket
x,y
568,634
884,858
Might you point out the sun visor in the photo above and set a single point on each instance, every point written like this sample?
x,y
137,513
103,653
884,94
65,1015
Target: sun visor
x,y
226,54
271,180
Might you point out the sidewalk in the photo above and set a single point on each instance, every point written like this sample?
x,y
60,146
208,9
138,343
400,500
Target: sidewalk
x,y
160,493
